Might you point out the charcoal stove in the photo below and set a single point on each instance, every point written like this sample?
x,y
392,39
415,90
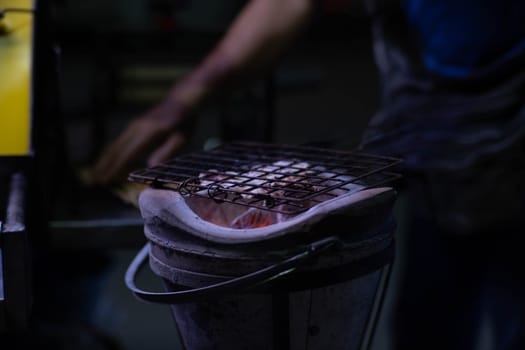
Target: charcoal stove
x,y
298,239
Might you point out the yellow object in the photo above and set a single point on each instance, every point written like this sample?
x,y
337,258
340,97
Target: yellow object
x,y
15,79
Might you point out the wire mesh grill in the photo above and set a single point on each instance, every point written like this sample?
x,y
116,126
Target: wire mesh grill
x,y
288,179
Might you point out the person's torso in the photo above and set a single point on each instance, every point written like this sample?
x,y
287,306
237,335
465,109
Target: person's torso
x,y
434,116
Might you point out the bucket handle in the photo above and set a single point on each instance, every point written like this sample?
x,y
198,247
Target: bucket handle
x,y
263,275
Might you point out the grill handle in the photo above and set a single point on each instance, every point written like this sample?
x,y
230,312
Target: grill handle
x,y
236,284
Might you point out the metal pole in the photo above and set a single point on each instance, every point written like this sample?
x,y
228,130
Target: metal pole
x,y
375,313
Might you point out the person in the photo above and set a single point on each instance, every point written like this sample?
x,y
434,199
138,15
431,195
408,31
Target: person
x,y
453,107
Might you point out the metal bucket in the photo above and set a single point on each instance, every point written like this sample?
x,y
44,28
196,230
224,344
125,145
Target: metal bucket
x,y
320,289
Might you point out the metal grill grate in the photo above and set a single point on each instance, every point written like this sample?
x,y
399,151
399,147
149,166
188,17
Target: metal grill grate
x,y
287,179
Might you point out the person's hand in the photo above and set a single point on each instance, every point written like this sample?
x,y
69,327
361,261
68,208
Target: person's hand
x,y
161,131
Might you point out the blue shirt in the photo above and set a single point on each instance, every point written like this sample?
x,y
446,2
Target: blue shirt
x,y
459,36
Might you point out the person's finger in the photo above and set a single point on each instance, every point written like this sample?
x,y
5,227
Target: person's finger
x,y
137,139
110,157
172,144
127,153
105,165
140,137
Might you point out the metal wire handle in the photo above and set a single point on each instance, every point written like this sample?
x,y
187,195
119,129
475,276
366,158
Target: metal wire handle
x,y
252,279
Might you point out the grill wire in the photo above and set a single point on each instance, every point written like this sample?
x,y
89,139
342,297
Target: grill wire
x,y
287,179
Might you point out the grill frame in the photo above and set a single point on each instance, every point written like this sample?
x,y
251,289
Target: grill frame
x,y
287,179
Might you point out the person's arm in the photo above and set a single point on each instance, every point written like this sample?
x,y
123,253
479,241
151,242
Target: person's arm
x,y
257,37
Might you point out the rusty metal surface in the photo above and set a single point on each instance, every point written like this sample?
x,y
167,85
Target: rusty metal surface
x,y
286,179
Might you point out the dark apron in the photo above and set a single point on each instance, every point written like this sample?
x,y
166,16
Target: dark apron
x,y
463,138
